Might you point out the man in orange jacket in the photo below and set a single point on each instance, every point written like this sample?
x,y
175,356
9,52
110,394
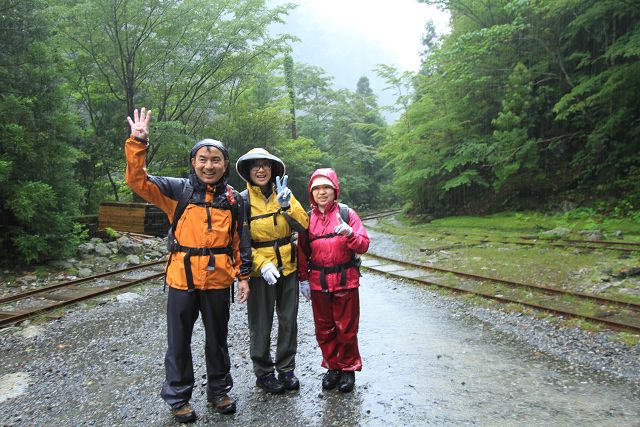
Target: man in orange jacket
x,y
210,247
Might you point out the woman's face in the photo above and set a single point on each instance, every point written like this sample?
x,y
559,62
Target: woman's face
x,y
260,173
323,194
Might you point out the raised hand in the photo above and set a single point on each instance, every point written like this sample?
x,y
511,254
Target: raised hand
x,y
283,192
342,227
140,125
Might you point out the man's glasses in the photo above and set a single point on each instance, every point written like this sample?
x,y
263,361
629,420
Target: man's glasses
x,y
256,167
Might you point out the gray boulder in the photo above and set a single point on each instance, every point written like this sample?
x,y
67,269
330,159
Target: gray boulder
x,y
130,247
133,259
591,235
86,248
84,272
103,250
562,232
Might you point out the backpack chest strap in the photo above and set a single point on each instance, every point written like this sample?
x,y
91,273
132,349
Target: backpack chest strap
x,y
276,247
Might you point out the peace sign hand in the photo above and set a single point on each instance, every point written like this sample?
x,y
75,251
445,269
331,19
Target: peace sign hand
x,y
284,194
342,227
140,125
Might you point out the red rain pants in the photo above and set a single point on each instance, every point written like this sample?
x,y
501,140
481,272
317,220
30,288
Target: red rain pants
x,y
336,315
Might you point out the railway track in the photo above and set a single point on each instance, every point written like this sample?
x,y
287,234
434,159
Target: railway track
x,y
380,214
49,298
611,313
24,305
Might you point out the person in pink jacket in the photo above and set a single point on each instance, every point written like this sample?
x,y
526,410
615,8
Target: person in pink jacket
x,y
329,276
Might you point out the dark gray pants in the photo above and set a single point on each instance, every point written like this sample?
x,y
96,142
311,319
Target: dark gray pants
x,y
262,298
183,308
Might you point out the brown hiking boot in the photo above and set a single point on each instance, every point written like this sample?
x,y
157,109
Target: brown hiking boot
x,y
184,414
223,404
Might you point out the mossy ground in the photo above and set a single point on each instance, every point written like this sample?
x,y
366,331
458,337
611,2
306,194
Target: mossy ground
x,y
509,246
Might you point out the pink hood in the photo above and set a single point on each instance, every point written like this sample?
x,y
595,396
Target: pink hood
x,y
331,175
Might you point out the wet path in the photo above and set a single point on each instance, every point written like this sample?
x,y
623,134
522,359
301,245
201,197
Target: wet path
x,y
427,366
426,360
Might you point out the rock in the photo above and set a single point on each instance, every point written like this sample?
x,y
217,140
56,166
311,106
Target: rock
x,y
103,250
127,297
84,272
591,235
617,233
13,385
59,264
31,331
557,232
25,280
567,206
129,247
634,291
631,272
133,259
86,248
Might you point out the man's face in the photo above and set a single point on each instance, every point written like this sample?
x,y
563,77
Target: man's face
x,y
209,164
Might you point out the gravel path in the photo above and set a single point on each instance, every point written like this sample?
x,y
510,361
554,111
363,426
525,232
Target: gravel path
x,y
428,359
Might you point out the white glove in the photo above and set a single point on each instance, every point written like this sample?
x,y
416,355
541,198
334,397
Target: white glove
x,y
342,227
270,273
305,289
284,194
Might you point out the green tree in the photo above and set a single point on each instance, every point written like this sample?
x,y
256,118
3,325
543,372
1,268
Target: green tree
x,y
181,58
521,104
38,194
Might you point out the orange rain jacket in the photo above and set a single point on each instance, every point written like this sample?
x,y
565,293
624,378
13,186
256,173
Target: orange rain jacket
x,y
205,223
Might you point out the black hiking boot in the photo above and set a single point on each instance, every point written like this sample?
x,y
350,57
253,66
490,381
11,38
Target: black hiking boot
x,y
270,384
330,379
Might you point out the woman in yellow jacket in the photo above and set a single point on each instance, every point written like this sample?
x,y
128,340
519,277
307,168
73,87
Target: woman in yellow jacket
x,y
272,213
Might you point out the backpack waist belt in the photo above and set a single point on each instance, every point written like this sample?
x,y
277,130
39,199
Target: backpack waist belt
x,y
276,247
332,269
189,252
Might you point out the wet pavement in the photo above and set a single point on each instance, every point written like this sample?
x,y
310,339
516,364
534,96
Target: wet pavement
x,y
426,361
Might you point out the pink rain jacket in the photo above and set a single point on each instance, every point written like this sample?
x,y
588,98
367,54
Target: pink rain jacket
x,y
333,250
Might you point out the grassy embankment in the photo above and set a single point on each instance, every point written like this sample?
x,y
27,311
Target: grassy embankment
x,y
495,246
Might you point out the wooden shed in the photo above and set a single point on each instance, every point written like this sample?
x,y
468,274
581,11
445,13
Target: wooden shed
x,y
142,218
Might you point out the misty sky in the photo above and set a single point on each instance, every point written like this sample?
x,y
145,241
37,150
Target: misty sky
x,y
397,25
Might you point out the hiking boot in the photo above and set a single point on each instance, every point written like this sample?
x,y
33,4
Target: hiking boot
x,y
184,413
289,380
330,379
223,404
270,384
347,381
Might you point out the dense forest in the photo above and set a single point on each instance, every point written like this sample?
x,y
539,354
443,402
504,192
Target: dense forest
x,y
523,105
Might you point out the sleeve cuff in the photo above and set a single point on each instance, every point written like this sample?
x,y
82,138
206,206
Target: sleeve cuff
x,y
144,141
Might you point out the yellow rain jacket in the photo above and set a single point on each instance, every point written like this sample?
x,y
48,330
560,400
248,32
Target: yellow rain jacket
x,y
268,222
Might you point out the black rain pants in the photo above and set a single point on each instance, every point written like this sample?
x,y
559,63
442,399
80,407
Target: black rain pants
x,y
183,308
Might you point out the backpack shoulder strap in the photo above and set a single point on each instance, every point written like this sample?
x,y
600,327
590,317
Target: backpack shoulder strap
x,y
182,205
344,212
247,204
233,201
